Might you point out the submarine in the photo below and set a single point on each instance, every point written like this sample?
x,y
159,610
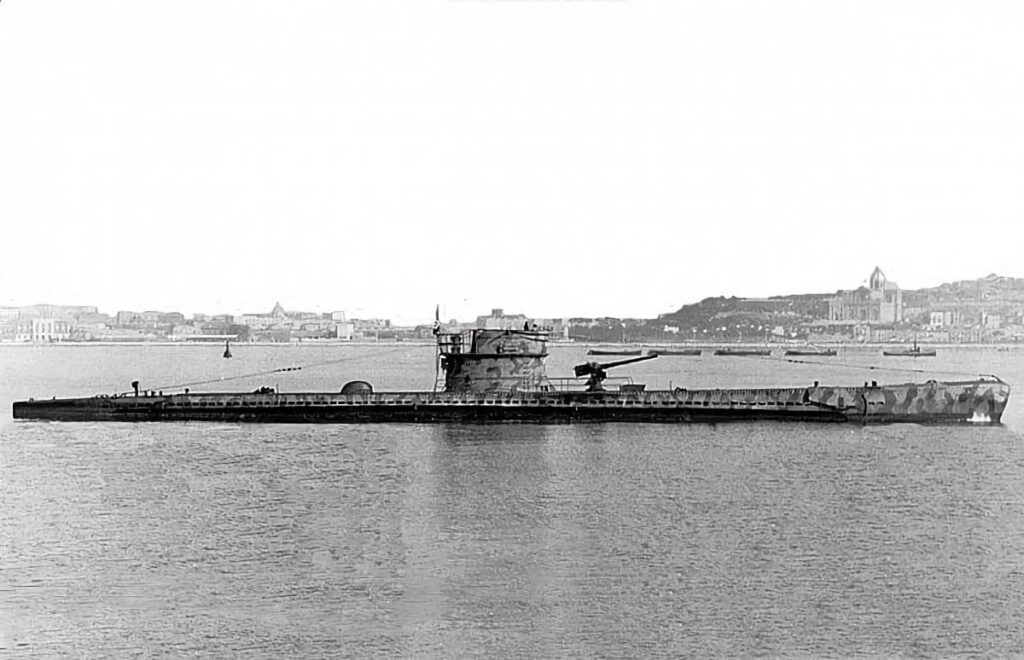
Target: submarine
x,y
498,375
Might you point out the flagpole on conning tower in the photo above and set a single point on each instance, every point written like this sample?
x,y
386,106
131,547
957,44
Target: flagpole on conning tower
x,y
437,344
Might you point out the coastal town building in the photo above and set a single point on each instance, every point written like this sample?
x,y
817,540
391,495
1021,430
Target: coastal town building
x,y
945,318
371,329
344,330
63,312
275,318
881,301
43,330
499,320
183,330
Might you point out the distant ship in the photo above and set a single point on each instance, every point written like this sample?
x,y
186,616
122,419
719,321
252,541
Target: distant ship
x,y
743,351
825,352
916,351
489,375
614,351
670,352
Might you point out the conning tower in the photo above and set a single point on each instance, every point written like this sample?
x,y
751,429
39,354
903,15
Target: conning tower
x,y
485,360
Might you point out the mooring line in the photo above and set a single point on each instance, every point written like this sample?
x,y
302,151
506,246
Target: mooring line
x,y
313,365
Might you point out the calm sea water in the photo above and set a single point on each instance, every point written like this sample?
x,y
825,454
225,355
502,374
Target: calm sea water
x,y
514,540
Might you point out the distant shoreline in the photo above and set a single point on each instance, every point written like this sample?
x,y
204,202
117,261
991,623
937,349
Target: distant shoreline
x,y
214,344
423,342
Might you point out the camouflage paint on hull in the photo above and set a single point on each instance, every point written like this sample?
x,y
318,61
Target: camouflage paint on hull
x,y
972,401
978,401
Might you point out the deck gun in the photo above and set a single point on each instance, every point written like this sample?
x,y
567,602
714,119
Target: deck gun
x,y
597,370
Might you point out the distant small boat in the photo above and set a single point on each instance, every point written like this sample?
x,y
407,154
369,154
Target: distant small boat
x,y
743,351
827,352
916,351
613,351
669,352
227,349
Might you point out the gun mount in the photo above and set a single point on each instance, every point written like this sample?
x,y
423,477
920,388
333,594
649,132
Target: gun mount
x,y
597,371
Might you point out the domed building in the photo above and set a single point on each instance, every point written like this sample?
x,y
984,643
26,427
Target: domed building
x,y
881,301
877,280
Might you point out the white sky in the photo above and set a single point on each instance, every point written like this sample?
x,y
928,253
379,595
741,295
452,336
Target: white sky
x,y
549,157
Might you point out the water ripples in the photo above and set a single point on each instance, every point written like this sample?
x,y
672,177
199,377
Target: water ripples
x,y
513,540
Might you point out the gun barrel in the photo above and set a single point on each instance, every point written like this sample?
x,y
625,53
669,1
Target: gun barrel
x,y
592,367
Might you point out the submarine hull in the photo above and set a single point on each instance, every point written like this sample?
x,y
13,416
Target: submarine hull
x,y
933,402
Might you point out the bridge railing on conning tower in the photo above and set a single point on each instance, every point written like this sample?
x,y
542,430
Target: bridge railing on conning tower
x,y
454,342
486,341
